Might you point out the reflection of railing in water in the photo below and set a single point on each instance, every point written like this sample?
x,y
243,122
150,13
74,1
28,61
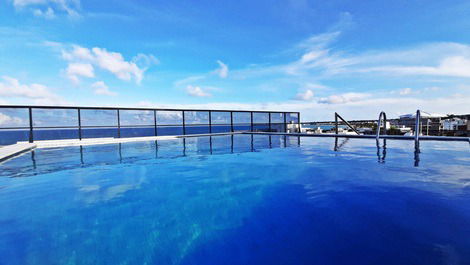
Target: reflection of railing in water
x,y
381,150
338,147
381,155
252,144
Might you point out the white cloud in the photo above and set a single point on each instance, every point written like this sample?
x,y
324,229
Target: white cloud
x,y
76,70
343,98
47,13
222,71
197,91
365,108
100,88
405,91
112,62
6,120
455,66
40,94
144,61
305,96
78,53
49,7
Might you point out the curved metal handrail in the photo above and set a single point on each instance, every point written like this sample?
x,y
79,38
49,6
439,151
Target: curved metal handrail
x,y
417,124
379,124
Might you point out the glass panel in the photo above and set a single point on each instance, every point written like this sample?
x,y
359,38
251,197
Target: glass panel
x,y
220,117
13,117
292,118
169,117
260,117
99,132
241,127
196,117
55,134
13,136
136,117
197,129
137,131
169,130
221,128
55,117
277,117
277,128
95,117
242,117
260,128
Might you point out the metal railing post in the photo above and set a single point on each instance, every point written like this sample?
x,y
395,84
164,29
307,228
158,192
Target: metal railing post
x,y
155,121
336,123
184,124
210,121
298,117
231,121
79,124
269,121
119,123
251,122
31,138
285,122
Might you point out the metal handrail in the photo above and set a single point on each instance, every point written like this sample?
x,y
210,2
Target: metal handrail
x,y
379,123
347,123
417,124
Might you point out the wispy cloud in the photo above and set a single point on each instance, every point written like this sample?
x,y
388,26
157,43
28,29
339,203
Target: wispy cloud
x,y
39,94
222,71
100,88
48,8
305,96
344,98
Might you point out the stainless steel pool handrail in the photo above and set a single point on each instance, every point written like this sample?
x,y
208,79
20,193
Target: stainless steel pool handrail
x,y
417,125
379,123
347,123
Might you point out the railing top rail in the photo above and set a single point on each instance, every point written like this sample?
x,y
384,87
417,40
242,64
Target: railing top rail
x,y
143,109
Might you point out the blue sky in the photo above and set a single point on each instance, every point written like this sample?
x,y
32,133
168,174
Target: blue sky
x,y
354,57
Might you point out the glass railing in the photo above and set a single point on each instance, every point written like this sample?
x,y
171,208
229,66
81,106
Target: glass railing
x,y
32,123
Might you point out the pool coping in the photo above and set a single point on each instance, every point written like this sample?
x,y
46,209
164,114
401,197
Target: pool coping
x,y
394,137
10,151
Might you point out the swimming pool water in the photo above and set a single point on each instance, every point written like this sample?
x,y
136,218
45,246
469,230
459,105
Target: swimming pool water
x,y
238,199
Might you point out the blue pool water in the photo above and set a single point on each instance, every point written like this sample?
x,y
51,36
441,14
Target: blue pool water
x,y
238,199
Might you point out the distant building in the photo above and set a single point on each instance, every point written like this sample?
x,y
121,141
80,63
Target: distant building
x,y
454,123
430,123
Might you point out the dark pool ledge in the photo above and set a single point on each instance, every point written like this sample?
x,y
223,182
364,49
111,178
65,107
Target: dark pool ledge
x,y
395,137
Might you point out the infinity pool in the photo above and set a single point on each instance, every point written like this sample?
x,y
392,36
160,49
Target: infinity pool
x,y
238,199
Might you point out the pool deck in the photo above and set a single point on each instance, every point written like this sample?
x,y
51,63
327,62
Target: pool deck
x,y
10,151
